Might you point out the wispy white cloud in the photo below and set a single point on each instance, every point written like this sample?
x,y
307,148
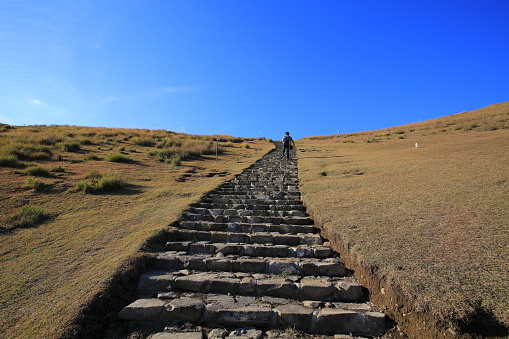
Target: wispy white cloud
x,y
37,102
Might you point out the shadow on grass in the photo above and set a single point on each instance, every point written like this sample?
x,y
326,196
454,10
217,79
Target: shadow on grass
x,y
484,324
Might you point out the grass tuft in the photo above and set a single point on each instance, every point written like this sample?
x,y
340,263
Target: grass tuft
x,y
36,185
118,158
10,161
28,216
37,171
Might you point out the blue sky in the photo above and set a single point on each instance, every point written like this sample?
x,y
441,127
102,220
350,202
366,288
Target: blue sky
x,y
250,67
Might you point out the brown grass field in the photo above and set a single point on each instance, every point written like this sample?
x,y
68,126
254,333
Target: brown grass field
x,y
78,203
431,222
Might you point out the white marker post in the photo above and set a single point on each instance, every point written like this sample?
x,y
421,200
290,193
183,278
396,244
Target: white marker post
x,y
217,147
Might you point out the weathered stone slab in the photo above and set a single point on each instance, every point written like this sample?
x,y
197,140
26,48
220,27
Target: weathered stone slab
x,y
194,283
142,309
350,291
295,316
154,282
278,287
330,269
330,321
245,333
184,309
224,285
316,289
283,267
177,245
218,264
176,335
244,316
249,265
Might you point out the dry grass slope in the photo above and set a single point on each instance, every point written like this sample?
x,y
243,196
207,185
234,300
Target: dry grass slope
x,y
432,220
59,245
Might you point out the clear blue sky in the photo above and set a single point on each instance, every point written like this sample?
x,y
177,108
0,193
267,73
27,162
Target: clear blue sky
x,y
250,67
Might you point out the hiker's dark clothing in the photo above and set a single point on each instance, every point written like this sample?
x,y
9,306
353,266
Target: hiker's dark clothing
x,y
287,141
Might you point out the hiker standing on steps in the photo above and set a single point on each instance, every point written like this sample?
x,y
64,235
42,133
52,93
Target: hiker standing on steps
x,y
287,145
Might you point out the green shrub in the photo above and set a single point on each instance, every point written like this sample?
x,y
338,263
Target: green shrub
x,y
28,216
70,146
94,175
10,161
175,160
118,158
110,182
245,145
84,187
144,142
35,184
37,171
100,182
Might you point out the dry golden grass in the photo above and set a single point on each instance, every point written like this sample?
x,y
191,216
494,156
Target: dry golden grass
x,y
52,270
434,219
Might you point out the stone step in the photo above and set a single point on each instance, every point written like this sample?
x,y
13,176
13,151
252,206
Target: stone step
x,y
247,212
253,284
250,250
245,227
330,267
267,196
255,207
290,220
230,311
250,201
248,238
247,254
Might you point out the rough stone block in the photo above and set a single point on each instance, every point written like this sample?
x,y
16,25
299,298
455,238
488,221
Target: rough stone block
x,y
350,291
278,287
287,239
194,283
295,316
282,267
218,264
142,310
311,239
184,309
330,321
151,283
178,335
245,316
316,289
178,245
249,265
261,238
224,285
329,269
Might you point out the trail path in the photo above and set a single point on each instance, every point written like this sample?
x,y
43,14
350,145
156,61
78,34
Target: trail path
x,y
248,256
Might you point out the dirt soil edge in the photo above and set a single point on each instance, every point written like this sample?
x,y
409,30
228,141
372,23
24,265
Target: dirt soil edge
x,y
395,305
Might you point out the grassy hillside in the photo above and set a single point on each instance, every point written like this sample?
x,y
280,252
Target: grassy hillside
x,y
76,203
424,206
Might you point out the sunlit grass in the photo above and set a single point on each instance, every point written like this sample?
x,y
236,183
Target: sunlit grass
x,y
428,213
52,270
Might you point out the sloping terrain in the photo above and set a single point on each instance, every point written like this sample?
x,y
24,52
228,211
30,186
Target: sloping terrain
x,y
422,211
101,194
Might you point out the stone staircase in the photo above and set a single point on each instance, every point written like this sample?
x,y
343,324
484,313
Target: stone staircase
x,y
248,256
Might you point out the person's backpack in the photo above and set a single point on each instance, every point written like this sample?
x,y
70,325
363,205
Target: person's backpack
x,y
286,141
